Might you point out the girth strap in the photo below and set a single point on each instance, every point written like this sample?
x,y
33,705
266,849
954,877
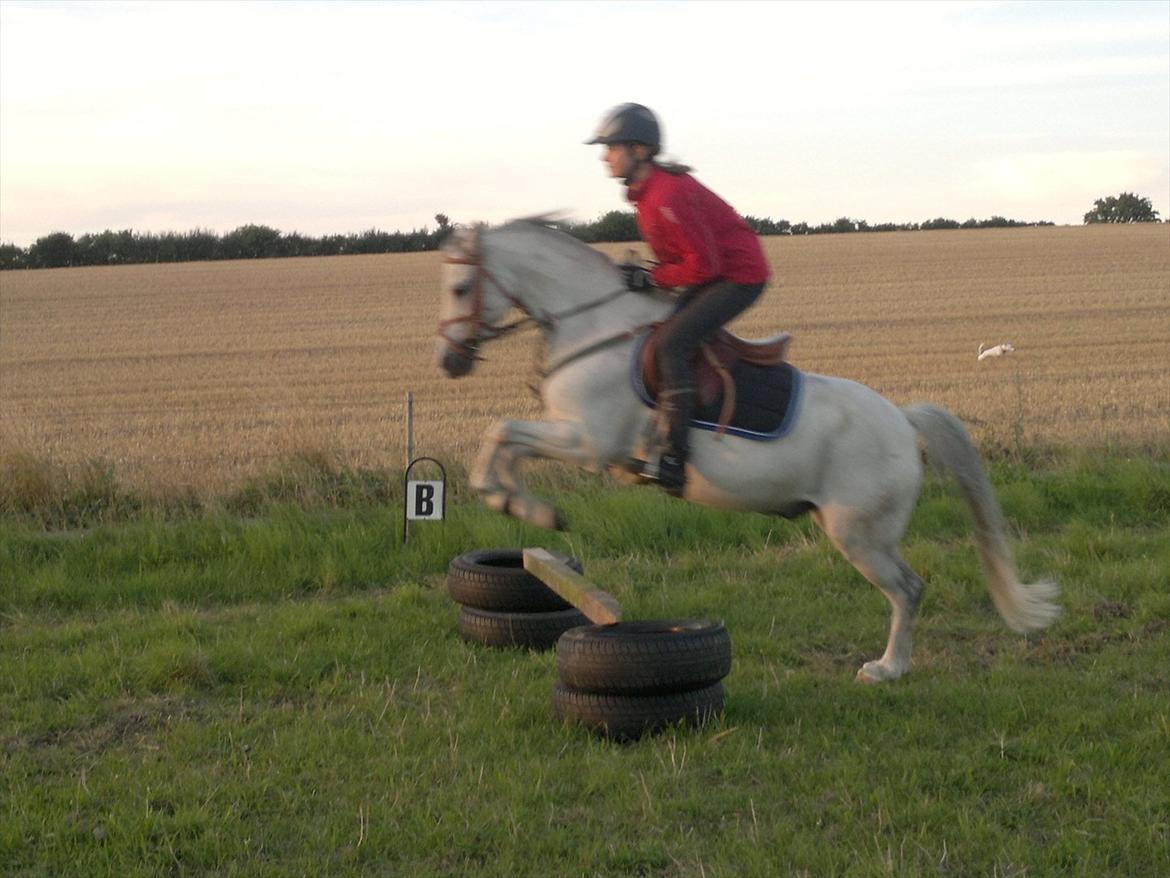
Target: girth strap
x,y
724,374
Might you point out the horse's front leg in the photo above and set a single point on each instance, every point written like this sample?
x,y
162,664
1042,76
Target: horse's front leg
x,y
496,477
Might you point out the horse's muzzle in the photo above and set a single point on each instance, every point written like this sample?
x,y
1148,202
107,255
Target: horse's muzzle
x,y
457,360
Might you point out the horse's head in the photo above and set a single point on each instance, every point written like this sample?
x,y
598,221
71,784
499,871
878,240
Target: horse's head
x,y
531,265
472,302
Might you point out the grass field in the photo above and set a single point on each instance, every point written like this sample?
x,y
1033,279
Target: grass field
x,y
203,375
218,658
286,694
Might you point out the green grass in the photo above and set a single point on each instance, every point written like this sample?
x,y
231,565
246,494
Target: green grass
x,y
274,686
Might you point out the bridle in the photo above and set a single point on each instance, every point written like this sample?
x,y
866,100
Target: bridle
x,y
482,330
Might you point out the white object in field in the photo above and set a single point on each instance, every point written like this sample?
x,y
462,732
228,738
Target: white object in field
x,y
998,351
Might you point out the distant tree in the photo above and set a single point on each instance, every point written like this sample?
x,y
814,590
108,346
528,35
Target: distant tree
x,y
12,256
444,223
249,242
57,250
373,241
331,245
198,245
296,244
617,225
1123,208
940,223
127,246
767,226
99,249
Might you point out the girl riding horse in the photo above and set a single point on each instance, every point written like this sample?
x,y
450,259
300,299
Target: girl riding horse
x,y
704,249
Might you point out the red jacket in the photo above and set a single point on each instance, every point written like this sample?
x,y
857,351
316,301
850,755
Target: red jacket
x,y
695,235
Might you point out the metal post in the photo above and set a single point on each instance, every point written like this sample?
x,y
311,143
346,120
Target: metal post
x,y
409,427
409,458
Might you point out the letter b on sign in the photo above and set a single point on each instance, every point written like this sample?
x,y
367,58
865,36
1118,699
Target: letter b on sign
x,y
424,501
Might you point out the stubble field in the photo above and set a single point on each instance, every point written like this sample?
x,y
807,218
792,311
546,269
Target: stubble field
x,y
272,683
204,375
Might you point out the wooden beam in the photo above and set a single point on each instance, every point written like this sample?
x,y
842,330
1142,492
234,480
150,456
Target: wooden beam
x,y
600,607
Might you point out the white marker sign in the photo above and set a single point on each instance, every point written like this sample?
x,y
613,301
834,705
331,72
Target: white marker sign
x,y
424,501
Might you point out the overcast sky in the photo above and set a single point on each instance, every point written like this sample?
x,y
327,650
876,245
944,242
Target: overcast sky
x,y
340,117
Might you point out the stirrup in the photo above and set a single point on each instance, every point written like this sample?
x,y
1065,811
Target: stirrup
x,y
663,470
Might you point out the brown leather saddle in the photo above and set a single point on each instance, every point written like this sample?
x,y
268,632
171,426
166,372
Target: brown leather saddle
x,y
712,366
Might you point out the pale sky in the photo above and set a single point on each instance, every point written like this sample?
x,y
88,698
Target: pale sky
x,y
340,117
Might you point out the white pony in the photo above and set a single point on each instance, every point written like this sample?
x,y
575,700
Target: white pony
x,y
851,458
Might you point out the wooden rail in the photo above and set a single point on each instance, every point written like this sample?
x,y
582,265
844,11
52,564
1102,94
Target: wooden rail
x,y
600,607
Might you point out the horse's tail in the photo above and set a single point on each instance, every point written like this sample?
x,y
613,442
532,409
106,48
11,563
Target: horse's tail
x,y
949,449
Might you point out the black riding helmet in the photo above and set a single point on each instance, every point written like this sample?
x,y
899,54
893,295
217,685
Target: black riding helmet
x,y
629,123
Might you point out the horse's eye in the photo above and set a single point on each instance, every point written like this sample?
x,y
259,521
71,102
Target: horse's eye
x,y
462,290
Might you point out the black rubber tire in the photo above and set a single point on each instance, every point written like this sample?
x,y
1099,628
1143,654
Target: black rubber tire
x,y
527,630
495,579
644,658
628,717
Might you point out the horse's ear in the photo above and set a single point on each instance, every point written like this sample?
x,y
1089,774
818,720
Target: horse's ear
x,y
463,240
473,241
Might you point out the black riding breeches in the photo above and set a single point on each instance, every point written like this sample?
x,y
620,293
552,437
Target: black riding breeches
x,y
704,310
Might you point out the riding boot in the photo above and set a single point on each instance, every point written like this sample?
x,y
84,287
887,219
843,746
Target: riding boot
x,y
675,408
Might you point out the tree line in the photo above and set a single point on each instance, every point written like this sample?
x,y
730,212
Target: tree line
x,y
127,247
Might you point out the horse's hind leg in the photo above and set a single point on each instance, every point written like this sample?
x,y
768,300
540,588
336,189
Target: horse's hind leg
x,y
903,588
876,557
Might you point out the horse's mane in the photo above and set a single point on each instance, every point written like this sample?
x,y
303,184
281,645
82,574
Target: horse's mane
x,y
554,226
552,219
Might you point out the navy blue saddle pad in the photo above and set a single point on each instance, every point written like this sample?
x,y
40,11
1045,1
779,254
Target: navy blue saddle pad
x,y
767,399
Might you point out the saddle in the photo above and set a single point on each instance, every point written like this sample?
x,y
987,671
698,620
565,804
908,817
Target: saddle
x,y
713,367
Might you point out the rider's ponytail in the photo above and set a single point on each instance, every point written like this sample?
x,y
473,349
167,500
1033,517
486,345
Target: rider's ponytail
x,y
675,168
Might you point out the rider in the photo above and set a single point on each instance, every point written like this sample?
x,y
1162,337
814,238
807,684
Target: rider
x,y
704,249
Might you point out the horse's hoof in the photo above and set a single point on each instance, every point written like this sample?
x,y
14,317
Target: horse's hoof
x,y
497,501
546,515
539,513
876,672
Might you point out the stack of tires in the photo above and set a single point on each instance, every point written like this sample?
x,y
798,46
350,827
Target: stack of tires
x,y
626,680
503,605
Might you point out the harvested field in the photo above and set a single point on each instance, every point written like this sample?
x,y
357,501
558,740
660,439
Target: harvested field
x,y
203,374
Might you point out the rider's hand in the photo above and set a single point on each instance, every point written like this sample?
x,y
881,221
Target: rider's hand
x,y
636,277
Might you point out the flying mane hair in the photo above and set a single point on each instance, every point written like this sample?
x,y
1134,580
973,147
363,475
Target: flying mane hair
x,y
553,221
